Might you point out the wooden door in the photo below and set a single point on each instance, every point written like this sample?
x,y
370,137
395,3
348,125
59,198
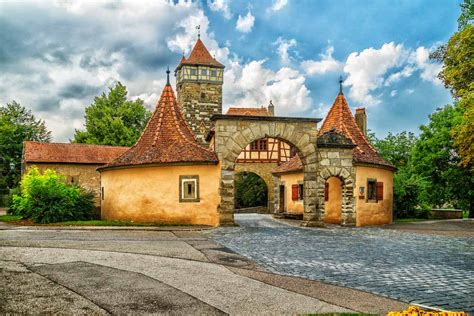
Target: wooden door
x,y
282,198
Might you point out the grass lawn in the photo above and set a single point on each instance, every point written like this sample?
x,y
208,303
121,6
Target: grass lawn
x,y
20,221
9,218
409,220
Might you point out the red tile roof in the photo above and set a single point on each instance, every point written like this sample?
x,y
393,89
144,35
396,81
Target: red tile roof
x,y
341,119
200,56
262,111
166,139
292,165
36,152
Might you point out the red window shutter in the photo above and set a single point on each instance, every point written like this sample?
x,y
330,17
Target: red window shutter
x,y
294,192
326,191
379,191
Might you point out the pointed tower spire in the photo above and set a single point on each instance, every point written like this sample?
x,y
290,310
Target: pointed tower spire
x,y
166,138
168,76
340,85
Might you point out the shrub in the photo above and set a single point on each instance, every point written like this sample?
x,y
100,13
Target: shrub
x,y
46,198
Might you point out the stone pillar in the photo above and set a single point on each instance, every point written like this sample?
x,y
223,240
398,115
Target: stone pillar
x,y
226,208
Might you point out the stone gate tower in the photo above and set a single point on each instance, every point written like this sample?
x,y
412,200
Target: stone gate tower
x,y
199,80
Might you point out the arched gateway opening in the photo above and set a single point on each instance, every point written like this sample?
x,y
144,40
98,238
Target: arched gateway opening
x,y
234,132
251,193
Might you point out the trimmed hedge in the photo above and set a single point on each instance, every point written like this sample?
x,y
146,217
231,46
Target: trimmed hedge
x,y
46,198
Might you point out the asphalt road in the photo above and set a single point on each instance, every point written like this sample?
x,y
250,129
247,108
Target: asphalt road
x,y
91,272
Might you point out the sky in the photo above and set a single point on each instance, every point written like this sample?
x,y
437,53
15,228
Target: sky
x,y
56,56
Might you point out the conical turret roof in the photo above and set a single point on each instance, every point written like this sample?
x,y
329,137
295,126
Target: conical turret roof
x,y
166,139
200,56
341,119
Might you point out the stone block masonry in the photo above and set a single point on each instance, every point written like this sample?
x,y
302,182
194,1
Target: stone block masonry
x,y
199,102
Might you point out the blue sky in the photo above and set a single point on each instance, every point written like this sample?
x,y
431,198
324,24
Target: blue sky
x,y
57,55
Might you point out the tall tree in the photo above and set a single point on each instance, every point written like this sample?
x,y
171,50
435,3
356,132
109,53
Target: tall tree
x,y
435,159
458,75
113,120
17,124
396,148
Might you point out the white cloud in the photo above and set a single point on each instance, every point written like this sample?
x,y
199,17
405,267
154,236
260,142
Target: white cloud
x,y
251,85
393,93
410,91
283,48
278,5
429,70
366,70
326,64
220,5
245,23
406,72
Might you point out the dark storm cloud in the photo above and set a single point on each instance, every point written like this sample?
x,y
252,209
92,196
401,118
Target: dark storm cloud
x,y
77,91
47,104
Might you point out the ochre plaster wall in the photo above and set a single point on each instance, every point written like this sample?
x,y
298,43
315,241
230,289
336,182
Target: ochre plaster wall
x,y
88,176
373,213
333,206
288,180
151,194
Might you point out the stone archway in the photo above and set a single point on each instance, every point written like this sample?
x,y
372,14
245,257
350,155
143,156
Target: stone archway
x,y
263,170
234,132
347,177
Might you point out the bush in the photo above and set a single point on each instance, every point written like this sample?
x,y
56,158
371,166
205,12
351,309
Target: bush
x,y
46,198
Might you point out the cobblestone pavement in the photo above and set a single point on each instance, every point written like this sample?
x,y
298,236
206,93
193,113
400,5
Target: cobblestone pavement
x,y
427,270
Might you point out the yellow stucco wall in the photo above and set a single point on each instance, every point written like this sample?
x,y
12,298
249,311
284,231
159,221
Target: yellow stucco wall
x,y
151,194
88,176
373,213
288,180
332,206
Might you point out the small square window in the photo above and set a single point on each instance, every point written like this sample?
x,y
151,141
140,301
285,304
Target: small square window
x,y
203,72
189,188
371,189
193,72
213,73
259,145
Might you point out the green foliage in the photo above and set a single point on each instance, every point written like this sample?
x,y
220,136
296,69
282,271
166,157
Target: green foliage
x,y
46,198
250,190
396,148
435,159
463,130
408,194
467,14
457,73
17,125
113,120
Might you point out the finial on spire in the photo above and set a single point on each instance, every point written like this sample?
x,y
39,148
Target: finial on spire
x,y
340,85
168,76
198,28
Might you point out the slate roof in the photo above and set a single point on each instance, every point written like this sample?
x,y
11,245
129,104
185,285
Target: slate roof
x,y
261,111
292,165
166,139
200,56
341,119
37,152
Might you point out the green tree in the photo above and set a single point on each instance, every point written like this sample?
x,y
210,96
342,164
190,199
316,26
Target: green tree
x,y
113,120
463,131
458,62
396,148
250,189
467,14
435,159
17,124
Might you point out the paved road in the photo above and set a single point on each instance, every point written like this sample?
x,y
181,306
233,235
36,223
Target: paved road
x,y
49,270
425,269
